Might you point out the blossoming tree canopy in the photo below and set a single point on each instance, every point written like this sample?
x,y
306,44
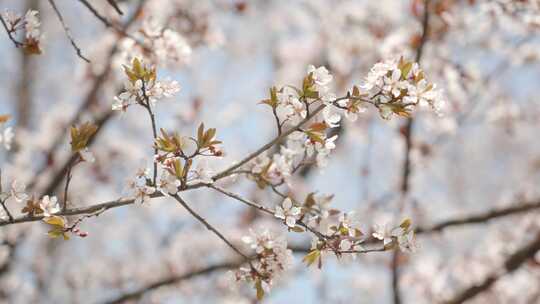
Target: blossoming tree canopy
x,y
256,147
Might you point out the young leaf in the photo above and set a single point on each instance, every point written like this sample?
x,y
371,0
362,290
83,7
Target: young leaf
x,y
81,135
312,257
260,290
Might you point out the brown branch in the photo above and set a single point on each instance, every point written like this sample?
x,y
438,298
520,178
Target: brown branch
x,y
406,172
512,263
148,108
174,279
209,227
96,13
115,6
267,146
10,33
66,188
67,31
113,26
480,218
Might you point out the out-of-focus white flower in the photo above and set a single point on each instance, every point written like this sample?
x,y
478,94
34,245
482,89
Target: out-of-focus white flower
x,y
17,190
407,241
331,117
172,46
203,173
32,24
288,212
138,187
87,155
132,95
383,232
168,183
273,258
162,89
289,108
6,138
143,194
49,205
322,79
402,235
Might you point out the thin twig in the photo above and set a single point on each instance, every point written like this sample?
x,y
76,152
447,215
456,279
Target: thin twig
x,y
96,13
66,188
148,108
174,279
115,6
208,226
267,146
3,203
68,32
10,33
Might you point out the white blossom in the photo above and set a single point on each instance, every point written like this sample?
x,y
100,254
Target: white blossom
x,y
322,79
32,24
273,258
6,138
384,233
49,205
203,173
17,190
87,155
168,183
288,212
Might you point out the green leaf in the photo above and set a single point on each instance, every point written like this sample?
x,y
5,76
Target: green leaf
x,y
200,133
81,135
406,224
355,91
273,101
260,290
55,220
297,229
405,69
312,257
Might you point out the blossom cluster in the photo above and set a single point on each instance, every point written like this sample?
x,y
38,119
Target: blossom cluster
x,y
401,235
398,86
272,258
141,187
30,24
47,207
156,44
142,87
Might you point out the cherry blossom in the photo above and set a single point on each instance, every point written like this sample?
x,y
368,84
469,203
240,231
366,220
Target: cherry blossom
x,y
288,212
49,205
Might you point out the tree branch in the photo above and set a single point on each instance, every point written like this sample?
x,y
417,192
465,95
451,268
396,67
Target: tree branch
x,y
406,172
512,263
9,33
209,227
174,279
67,31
